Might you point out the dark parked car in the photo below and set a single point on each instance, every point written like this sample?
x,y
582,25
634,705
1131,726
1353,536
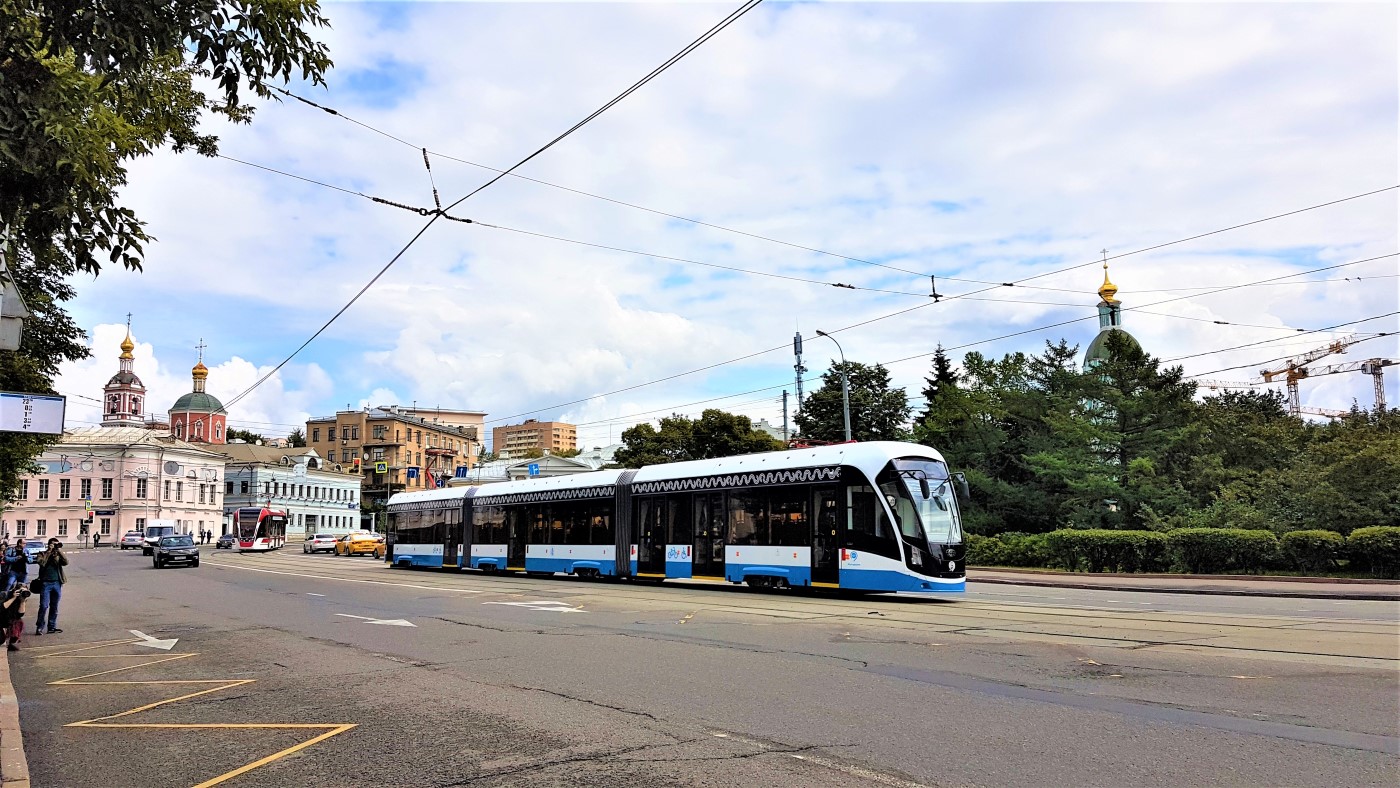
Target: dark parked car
x,y
226,542
175,549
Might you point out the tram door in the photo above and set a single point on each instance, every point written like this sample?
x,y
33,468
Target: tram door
x,y
517,529
710,532
826,536
651,535
451,536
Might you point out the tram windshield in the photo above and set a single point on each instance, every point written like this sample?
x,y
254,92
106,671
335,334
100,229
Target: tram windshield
x,y
927,489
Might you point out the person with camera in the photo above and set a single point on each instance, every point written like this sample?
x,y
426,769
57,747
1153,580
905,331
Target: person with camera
x,y
12,617
17,565
51,579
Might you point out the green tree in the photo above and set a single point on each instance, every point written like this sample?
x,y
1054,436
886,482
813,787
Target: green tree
x,y
88,85
940,384
715,434
297,439
247,436
878,411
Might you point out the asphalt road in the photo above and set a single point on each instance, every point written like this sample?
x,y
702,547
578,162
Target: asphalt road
x,y
505,681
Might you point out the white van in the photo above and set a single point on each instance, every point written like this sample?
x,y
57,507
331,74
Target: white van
x,y
155,529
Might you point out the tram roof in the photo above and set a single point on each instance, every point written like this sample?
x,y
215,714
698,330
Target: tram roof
x,y
424,496
870,455
566,482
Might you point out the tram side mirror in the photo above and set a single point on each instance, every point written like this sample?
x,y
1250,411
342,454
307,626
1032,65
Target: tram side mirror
x,y
960,479
923,487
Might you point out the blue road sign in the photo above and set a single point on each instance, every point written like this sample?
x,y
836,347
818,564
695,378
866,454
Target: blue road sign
x,y
534,469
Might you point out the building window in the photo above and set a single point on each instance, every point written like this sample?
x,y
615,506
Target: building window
x,y
180,491
198,430
379,431
65,489
140,488
347,455
20,527
23,489
228,488
63,527
243,487
41,527
354,433
345,433
167,489
201,493
420,437
140,523
218,432
106,489
85,489
376,454
43,489
315,434
106,526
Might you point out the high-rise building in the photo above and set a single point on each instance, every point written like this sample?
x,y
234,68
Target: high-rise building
x,y
550,436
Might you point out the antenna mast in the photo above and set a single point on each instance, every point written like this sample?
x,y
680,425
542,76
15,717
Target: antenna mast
x,y
797,351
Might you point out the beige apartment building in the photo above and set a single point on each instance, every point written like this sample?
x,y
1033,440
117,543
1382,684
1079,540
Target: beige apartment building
x,y
550,436
397,449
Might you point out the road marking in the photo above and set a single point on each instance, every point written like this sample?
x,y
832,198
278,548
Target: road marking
x,y
308,593
329,729
222,565
545,606
147,640
686,619
389,622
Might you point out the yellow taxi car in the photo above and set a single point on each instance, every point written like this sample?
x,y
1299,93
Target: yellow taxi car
x,y
381,550
357,544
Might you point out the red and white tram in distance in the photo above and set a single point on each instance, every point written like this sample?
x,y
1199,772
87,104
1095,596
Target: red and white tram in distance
x,y
260,529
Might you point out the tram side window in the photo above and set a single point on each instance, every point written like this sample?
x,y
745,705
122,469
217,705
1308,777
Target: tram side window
x,y
556,514
487,521
787,507
535,520
747,523
600,523
868,528
678,523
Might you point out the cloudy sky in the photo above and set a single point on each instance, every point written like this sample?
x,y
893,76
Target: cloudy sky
x,y
985,142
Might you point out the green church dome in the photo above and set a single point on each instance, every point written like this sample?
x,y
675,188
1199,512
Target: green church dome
x,y
197,402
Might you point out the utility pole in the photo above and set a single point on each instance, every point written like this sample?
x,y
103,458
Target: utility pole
x,y
801,370
845,385
785,420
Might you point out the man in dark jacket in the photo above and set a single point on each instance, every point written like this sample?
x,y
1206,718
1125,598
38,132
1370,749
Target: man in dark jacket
x,y
51,579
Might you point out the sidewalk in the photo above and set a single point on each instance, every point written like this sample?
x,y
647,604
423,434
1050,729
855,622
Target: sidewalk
x,y
14,768
1230,585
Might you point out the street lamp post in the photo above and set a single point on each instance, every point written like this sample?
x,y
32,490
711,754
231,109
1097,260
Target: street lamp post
x,y
845,385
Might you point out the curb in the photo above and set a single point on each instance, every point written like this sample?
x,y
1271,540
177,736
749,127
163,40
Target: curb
x,y
14,766
1021,570
1365,596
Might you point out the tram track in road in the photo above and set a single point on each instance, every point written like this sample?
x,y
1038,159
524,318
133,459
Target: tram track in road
x,y
1366,643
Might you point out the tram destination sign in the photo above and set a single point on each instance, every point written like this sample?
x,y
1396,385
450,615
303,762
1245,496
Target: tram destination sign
x,y
33,413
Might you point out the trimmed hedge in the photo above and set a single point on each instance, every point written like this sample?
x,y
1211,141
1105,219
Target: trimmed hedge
x,y
1216,550
1008,549
1103,550
1311,551
1377,549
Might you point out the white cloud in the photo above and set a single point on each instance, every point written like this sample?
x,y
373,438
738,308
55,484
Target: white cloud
x,y
988,142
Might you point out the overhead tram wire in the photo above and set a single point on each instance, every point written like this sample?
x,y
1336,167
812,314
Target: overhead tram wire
x,y
698,222
733,16
735,269
964,295
1377,335
947,349
1257,364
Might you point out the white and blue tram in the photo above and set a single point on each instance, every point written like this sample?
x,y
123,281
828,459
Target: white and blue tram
x,y
879,516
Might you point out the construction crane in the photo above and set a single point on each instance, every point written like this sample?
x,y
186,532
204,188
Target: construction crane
x,y
1216,385
1328,412
1375,367
1295,369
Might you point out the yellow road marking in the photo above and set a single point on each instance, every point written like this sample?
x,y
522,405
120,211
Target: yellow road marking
x,y
330,729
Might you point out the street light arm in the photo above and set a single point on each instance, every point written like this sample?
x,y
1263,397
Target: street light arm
x,y
845,385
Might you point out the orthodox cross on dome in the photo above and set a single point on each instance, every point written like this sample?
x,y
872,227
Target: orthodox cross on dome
x,y
200,347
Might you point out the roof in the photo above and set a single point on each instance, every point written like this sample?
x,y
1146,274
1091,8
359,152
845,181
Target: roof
x,y
124,378
198,402
864,455
271,455
128,436
1098,348
566,482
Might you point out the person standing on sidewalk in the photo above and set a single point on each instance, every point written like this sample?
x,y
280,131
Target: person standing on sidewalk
x,y
51,580
17,564
12,617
